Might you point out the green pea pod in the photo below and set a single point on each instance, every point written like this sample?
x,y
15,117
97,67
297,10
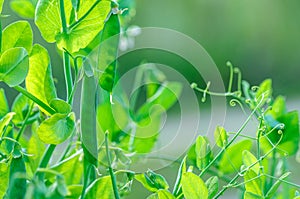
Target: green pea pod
x,y
17,180
88,119
108,52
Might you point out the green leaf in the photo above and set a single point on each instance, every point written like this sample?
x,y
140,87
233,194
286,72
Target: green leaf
x,y
249,159
80,35
108,51
212,185
71,168
193,186
14,66
249,195
253,184
231,159
47,18
203,152
60,106
264,91
74,191
3,104
182,169
221,137
17,34
100,188
24,8
289,142
152,181
153,78
1,5
165,96
57,128
39,80
17,179
272,191
19,106
278,107
161,194
4,178
5,121
35,148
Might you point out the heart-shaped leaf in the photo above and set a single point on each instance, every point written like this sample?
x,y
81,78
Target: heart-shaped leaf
x,y
57,128
18,34
193,186
24,8
14,66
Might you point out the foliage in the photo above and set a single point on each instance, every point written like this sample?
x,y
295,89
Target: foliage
x,y
104,140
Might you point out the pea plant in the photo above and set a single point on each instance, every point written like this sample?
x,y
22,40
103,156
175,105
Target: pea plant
x,y
101,143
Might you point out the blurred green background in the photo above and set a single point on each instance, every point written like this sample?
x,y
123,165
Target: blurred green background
x,y
262,38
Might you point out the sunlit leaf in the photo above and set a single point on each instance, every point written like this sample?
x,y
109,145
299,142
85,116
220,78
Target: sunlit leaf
x,y
152,181
231,160
3,103
161,194
57,128
14,66
221,137
253,184
100,188
264,91
203,152
212,185
24,8
17,34
39,81
5,121
193,186
250,160
4,178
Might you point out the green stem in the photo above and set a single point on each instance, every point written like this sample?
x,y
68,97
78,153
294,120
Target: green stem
x,y
47,108
111,172
230,142
273,168
45,160
22,129
85,15
66,58
230,77
0,35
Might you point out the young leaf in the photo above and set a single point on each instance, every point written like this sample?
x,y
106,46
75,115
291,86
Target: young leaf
x,y
19,106
100,188
249,159
264,91
17,34
14,66
152,181
24,8
182,169
4,109
108,51
231,160
221,137
60,106
1,5
161,194
39,80
249,195
212,185
57,128
5,121
203,152
253,184
193,186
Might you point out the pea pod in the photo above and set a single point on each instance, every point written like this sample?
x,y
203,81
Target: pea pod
x,y
88,119
17,180
108,52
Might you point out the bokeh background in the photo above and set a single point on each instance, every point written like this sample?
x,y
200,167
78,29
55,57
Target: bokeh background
x,y
262,38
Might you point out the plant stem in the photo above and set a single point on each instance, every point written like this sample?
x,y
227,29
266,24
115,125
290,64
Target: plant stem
x,y
45,160
273,168
0,35
66,58
111,172
22,129
47,108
